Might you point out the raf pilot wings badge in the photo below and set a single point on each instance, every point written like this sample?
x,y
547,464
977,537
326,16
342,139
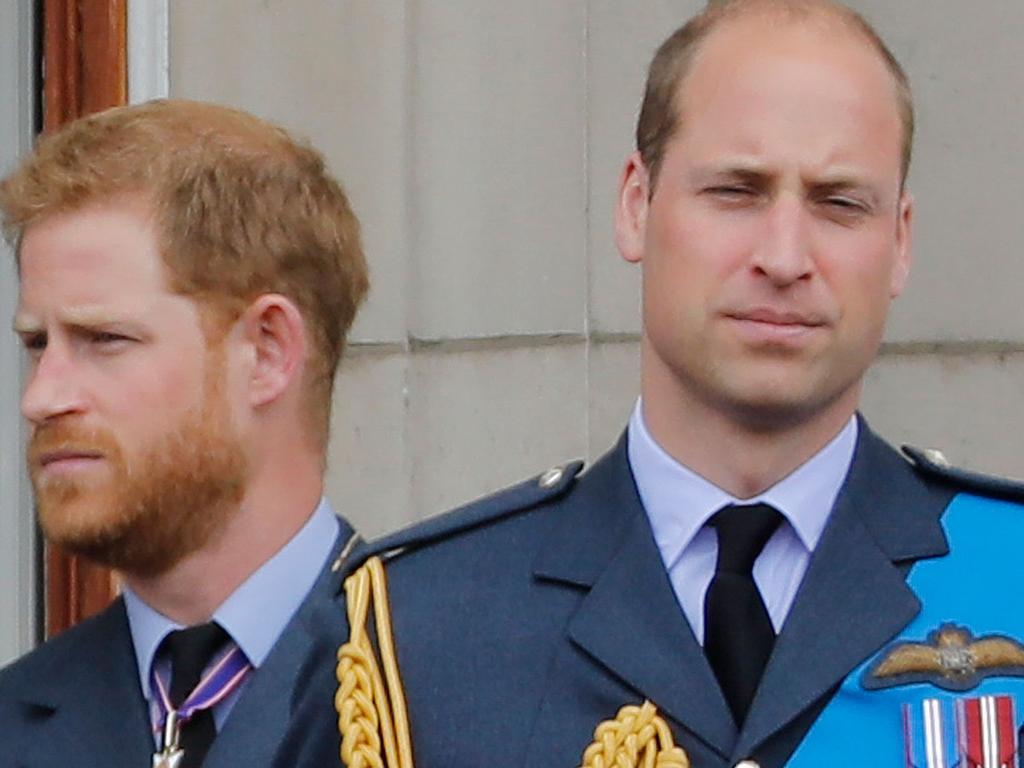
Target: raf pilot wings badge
x,y
951,658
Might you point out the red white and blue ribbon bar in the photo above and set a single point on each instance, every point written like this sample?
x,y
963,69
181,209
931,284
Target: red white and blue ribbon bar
x,y
930,734
961,733
216,685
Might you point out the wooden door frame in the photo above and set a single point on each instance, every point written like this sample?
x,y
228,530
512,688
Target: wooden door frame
x,y
84,49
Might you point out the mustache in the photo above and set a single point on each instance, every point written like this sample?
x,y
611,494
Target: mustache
x,y
66,438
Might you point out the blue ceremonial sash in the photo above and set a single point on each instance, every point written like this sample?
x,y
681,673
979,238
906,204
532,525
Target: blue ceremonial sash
x,y
948,692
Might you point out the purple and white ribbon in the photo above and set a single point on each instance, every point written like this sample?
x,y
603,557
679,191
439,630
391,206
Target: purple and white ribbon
x,y
216,685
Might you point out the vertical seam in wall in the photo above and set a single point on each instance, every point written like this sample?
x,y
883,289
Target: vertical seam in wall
x,y
587,270
411,238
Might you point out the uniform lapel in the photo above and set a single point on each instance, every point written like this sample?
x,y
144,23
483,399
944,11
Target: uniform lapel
x,y
257,724
854,596
90,704
628,621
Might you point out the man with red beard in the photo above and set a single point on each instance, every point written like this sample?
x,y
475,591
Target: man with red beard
x,y
187,277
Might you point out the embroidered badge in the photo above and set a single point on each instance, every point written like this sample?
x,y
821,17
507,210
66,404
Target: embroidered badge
x,y
950,658
961,733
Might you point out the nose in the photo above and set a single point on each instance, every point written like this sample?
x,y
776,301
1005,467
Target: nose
x,y
784,254
51,389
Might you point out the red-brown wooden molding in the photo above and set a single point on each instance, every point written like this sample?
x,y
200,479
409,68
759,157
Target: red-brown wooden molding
x,y
86,70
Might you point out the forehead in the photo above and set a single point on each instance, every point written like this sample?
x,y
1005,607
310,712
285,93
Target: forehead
x,y
814,89
89,257
105,239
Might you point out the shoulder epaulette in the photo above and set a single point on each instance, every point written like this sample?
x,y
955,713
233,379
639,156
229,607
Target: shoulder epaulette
x,y
931,462
373,721
526,495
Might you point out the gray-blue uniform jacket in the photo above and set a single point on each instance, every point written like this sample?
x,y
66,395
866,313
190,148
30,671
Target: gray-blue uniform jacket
x,y
75,701
525,619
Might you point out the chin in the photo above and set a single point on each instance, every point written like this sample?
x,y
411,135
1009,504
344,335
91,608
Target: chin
x,y
775,405
67,514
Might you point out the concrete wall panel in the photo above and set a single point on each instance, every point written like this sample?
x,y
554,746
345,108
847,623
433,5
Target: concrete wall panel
x,y
620,44
483,419
614,387
966,405
369,462
336,74
19,627
968,176
499,205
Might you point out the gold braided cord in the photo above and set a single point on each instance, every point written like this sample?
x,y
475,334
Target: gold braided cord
x,y
636,738
371,707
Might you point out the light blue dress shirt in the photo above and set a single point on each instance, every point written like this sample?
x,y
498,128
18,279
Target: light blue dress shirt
x,y
255,614
679,503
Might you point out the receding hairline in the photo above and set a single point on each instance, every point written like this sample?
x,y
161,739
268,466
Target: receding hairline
x,y
818,16
827,16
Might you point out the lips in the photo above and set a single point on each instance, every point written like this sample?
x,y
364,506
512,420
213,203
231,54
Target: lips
x,y
774,328
779,317
47,458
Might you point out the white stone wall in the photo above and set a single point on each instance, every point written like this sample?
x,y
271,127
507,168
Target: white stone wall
x,y
17,529
480,141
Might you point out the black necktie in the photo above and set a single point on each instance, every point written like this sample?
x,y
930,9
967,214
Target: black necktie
x,y
738,633
191,651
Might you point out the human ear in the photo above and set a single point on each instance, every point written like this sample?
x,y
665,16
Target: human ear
x,y
275,331
904,245
631,209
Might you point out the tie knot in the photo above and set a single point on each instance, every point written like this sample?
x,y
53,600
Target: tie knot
x,y
190,651
743,530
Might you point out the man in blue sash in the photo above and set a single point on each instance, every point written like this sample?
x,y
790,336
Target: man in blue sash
x,y
751,576
187,277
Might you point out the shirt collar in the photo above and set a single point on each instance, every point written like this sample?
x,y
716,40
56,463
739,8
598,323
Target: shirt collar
x,y
256,613
679,502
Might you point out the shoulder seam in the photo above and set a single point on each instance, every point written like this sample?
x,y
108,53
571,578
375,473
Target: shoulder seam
x,y
527,495
933,464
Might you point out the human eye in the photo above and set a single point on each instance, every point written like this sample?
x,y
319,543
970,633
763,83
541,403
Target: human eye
x,y
845,204
33,343
107,341
733,195
731,191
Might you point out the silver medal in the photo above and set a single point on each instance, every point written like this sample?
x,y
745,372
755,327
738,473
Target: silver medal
x,y
171,755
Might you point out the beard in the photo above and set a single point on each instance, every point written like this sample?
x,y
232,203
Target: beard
x,y
149,510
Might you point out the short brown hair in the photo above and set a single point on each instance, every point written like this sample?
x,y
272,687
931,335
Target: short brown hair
x,y
659,113
240,207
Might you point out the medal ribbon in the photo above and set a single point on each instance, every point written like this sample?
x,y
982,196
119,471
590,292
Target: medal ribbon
x,y
216,685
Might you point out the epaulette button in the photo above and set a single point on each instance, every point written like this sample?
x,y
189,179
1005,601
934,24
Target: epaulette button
x,y
551,478
936,457
747,764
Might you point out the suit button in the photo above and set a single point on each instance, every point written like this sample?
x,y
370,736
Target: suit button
x,y
936,457
551,478
747,764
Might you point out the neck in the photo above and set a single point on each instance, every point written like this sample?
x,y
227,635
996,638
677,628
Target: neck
x,y
739,455
272,511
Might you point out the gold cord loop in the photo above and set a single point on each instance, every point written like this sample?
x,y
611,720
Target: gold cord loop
x,y
636,738
371,706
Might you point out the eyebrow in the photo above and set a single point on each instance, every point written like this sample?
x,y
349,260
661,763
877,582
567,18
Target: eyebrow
x,y
731,169
85,316
837,180
25,324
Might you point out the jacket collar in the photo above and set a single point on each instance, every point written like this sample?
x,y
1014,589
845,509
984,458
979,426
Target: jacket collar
x,y
853,598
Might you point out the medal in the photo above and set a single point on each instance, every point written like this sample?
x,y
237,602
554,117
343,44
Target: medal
x,y
171,755
224,677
